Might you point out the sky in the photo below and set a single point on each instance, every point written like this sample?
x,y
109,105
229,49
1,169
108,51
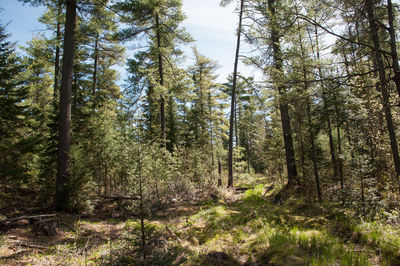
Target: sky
x,y
212,26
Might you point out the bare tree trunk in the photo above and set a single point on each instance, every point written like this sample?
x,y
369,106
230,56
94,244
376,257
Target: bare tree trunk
x,y
248,149
382,84
161,74
142,211
96,58
57,55
64,142
236,123
339,141
219,173
233,99
211,133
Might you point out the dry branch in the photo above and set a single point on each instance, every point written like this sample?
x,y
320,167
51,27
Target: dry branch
x,y
173,235
121,197
34,217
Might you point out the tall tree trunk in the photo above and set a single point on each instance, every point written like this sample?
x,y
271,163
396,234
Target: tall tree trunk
x,y
236,123
331,144
171,135
152,117
233,98
95,59
57,55
283,105
211,130
302,152
248,149
382,84
64,142
339,142
395,57
161,74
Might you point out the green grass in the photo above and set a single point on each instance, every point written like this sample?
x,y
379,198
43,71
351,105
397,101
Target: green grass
x,y
255,230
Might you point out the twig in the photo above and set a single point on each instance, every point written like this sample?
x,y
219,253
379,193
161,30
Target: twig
x,y
29,245
173,235
85,248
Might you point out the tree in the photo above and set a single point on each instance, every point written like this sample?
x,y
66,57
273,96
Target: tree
x,y
373,28
233,95
158,21
13,143
271,20
64,139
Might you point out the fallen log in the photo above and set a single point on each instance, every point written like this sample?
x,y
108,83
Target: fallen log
x,y
30,218
121,197
27,245
242,188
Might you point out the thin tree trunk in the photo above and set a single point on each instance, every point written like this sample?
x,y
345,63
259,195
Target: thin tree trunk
x,y
236,123
219,173
152,117
57,55
161,74
383,87
248,149
211,130
64,142
233,98
96,58
141,206
283,105
302,153
395,57
331,144
339,141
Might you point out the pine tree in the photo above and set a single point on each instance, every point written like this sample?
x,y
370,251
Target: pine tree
x,y
13,141
64,139
159,22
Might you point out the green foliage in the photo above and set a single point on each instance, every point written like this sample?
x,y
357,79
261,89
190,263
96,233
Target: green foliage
x,y
15,144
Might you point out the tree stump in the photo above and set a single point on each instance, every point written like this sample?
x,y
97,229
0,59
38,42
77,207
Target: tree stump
x,y
47,226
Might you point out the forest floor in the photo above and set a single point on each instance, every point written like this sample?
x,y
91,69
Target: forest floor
x,y
235,228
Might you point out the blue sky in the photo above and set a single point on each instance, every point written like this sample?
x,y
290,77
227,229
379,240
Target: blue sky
x,y
213,27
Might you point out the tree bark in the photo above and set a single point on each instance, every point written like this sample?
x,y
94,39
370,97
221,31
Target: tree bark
x,y
161,76
57,55
233,98
236,123
64,142
339,141
96,58
382,85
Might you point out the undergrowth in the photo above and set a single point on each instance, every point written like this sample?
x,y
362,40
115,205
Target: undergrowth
x,y
249,231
